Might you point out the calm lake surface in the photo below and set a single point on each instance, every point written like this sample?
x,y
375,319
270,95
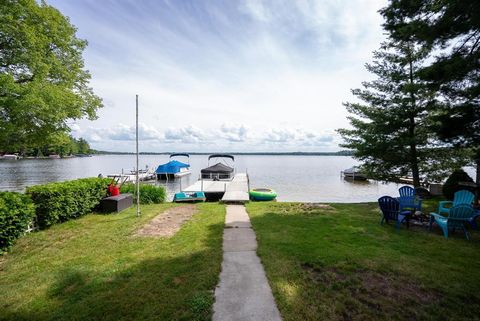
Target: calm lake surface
x,y
295,178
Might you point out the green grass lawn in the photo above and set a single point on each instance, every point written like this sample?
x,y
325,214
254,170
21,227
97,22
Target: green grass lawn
x,y
341,264
95,268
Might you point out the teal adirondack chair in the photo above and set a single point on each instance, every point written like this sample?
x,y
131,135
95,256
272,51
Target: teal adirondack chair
x,y
458,216
461,197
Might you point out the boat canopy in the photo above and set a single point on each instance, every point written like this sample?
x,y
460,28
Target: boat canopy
x,y
171,167
179,154
217,168
221,156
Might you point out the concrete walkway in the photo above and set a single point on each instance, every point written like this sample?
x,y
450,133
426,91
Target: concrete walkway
x,y
243,292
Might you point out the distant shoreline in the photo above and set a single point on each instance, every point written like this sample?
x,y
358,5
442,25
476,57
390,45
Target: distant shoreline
x,y
340,153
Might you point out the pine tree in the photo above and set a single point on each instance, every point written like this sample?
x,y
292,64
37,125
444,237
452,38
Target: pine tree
x,y
452,29
390,133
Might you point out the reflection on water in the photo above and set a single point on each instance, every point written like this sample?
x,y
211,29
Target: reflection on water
x,y
295,178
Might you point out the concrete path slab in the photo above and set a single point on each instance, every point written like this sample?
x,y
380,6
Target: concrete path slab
x,y
237,217
243,293
239,239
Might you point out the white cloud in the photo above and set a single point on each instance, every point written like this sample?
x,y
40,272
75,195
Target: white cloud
x,y
257,10
299,137
272,72
119,132
186,135
279,135
237,136
127,133
234,133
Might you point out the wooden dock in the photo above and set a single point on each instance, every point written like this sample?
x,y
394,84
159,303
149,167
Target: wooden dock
x,y
237,190
234,191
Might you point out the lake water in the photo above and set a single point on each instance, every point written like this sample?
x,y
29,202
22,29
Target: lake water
x,y
295,178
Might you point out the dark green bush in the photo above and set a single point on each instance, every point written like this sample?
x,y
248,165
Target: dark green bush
x,y
149,194
60,202
16,213
452,184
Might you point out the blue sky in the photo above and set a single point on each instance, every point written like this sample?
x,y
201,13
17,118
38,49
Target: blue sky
x,y
223,75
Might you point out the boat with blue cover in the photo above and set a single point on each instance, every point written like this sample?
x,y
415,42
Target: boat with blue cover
x,y
189,197
174,168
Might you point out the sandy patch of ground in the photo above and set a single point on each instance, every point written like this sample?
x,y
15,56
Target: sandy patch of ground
x,y
314,206
304,209
169,222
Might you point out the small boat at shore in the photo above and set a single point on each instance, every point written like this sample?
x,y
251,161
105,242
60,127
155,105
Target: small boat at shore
x,y
354,173
174,168
10,157
185,197
131,177
262,194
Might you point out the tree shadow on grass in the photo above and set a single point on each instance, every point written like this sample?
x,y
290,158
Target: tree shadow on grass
x,y
164,288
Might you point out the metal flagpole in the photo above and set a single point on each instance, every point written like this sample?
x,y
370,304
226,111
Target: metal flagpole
x,y
137,185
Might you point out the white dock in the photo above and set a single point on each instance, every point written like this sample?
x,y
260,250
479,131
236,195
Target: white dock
x,y
131,178
235,191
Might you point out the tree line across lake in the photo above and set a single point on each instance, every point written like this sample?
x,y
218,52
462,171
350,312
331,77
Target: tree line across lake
x,y
66,147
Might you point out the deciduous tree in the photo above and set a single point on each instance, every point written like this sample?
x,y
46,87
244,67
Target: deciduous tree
x,y
43,81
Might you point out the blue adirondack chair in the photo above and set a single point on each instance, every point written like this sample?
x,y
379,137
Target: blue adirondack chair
x,y
457,217
461,197
473,219
408,199
390,208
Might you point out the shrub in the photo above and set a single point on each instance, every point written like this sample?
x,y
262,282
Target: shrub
x,y
60,202
149,194
16,213
452,184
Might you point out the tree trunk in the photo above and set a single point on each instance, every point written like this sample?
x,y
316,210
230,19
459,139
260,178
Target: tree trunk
x,y
411,132
413,154
477,178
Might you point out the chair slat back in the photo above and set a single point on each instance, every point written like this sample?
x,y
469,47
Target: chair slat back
x,y
406,191
389,207
460,212
463,197
406,201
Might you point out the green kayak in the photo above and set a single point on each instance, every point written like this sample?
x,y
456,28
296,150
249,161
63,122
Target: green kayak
x,y
262,194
